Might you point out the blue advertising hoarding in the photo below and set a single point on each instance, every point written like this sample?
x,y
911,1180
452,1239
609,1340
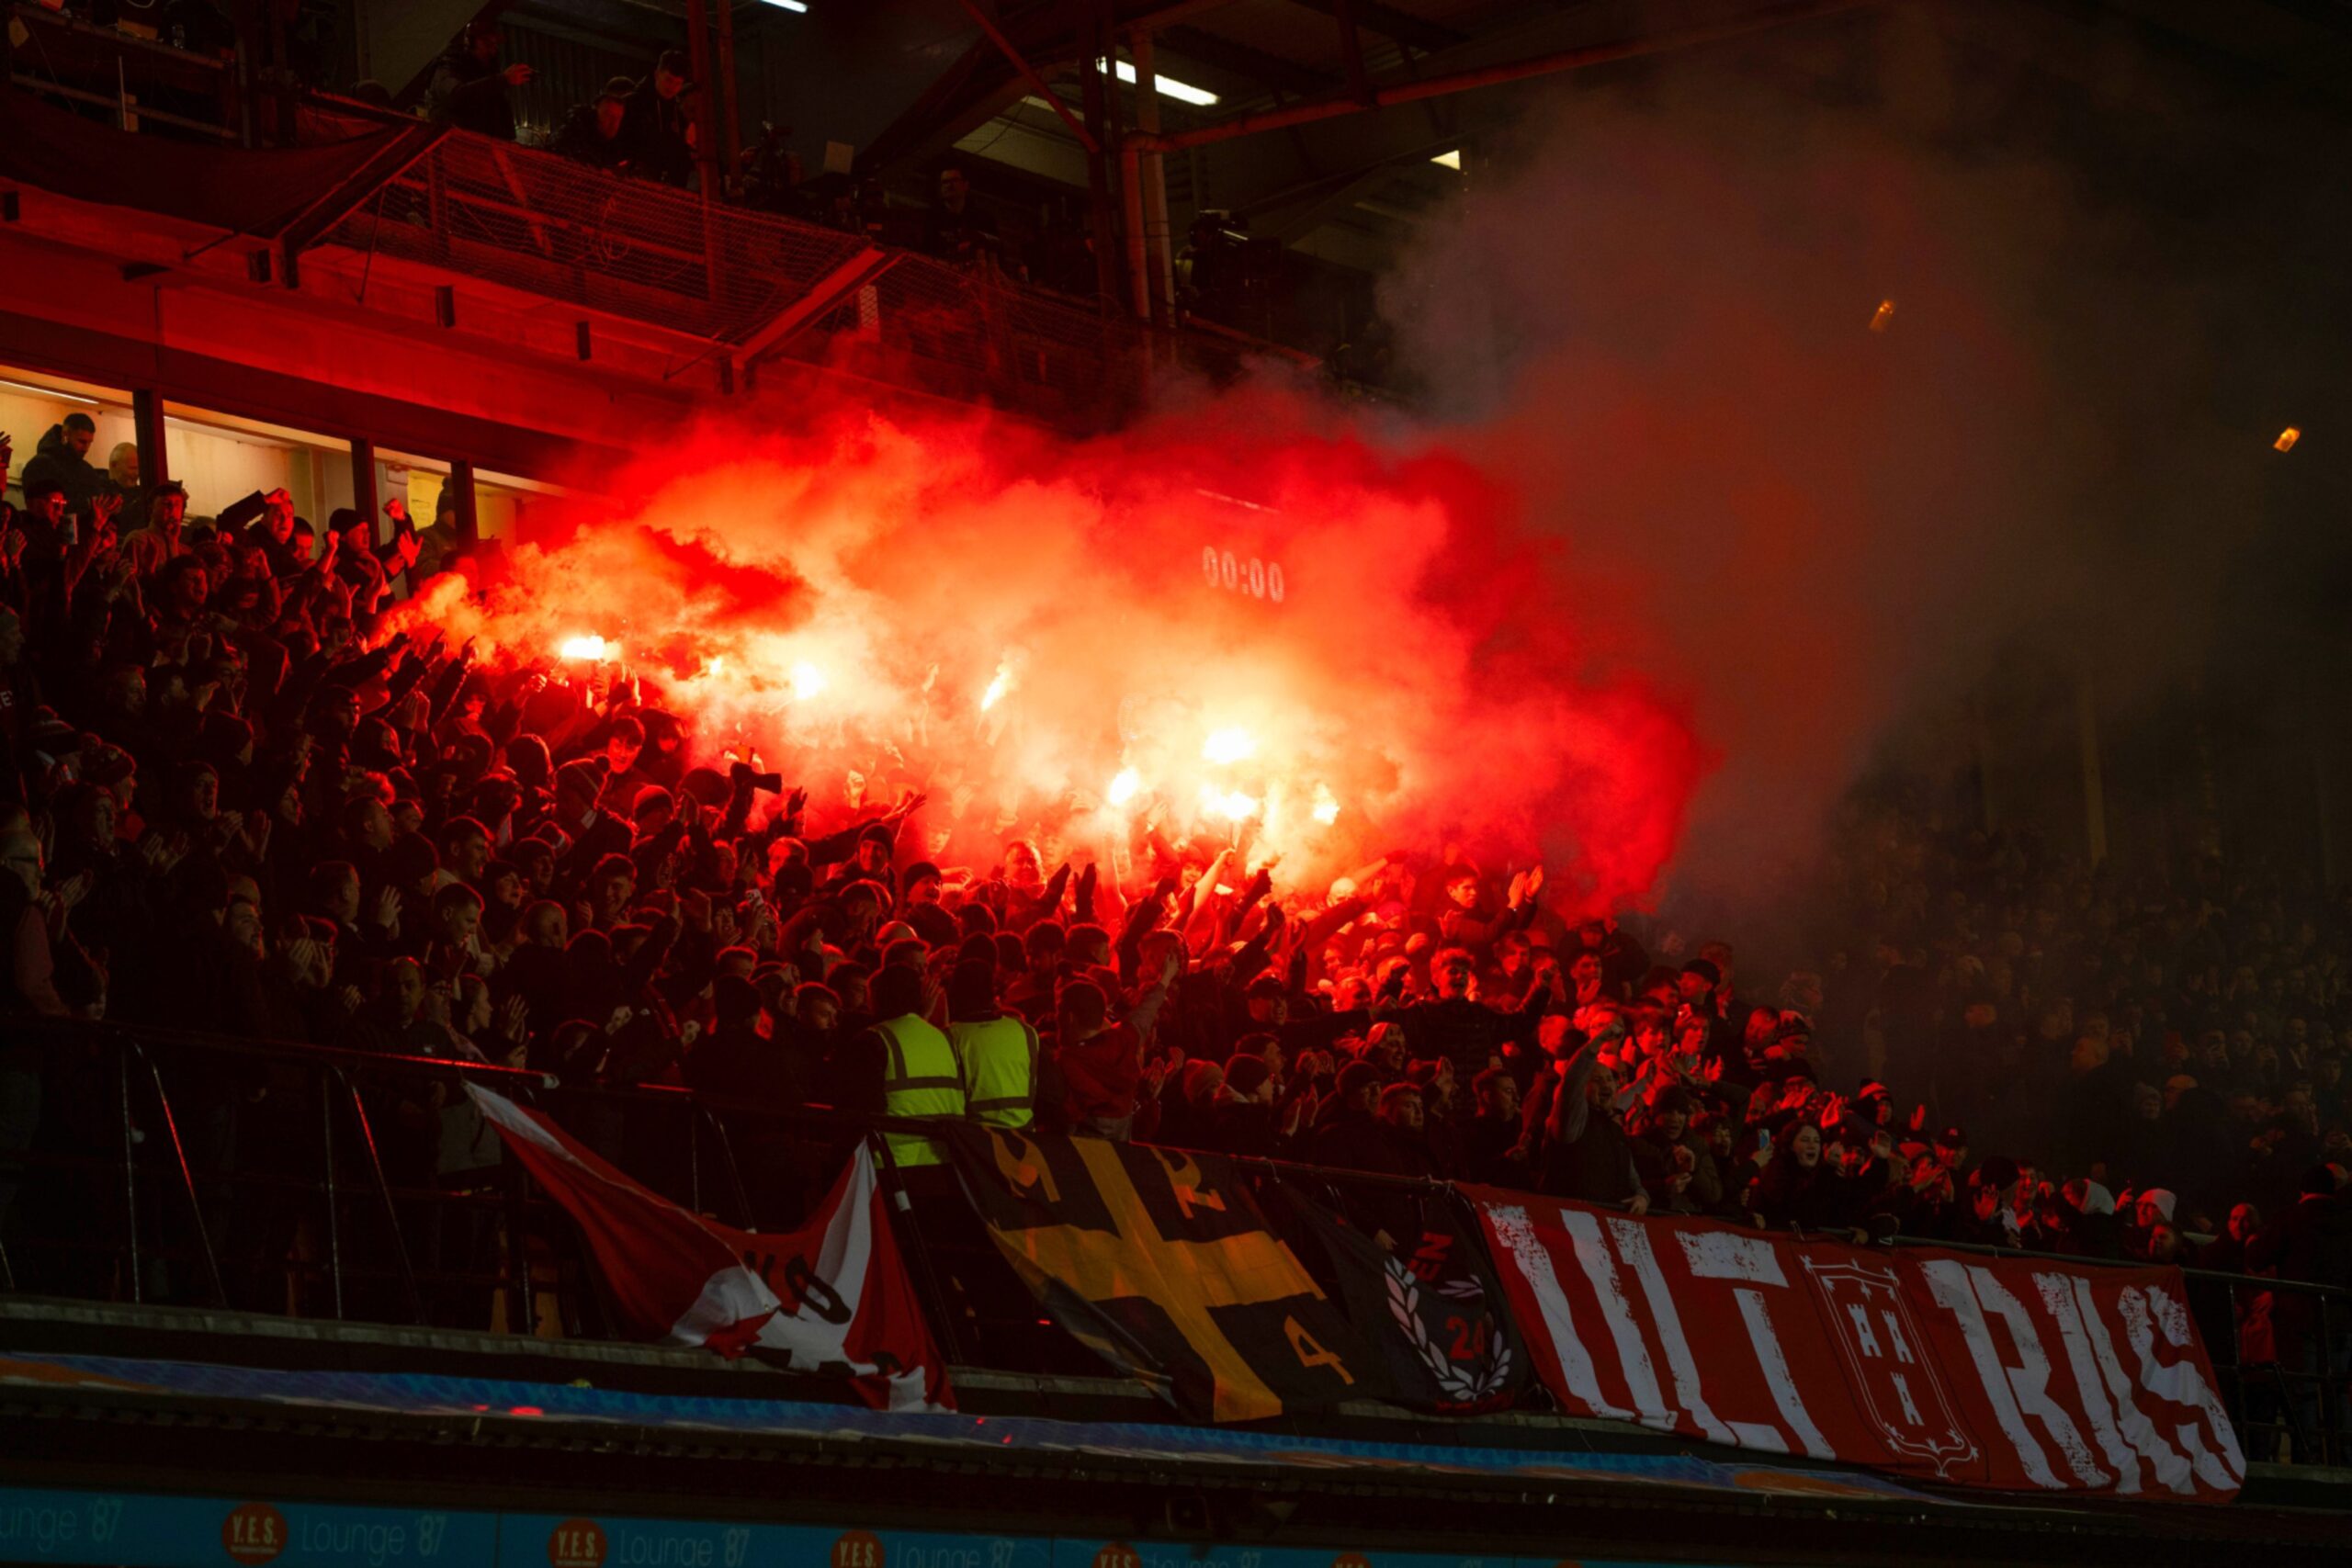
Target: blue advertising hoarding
x,y
137,1529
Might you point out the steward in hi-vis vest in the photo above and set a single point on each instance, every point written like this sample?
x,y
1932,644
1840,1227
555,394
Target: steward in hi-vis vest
x,y
998,1050
920,1078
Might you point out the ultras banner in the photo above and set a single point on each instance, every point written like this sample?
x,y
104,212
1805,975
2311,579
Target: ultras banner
x,y
2015,1374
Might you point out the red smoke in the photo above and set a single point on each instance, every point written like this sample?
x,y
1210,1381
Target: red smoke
x,y
1049,639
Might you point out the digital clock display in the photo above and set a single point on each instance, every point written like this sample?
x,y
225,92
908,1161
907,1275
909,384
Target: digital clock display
x,y
1252,577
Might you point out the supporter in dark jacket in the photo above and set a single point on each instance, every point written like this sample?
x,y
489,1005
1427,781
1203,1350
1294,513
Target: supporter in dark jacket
x,y
1586,1154
1678,1169
1494,1140
596,133
1241,1120
1345,1128
734,1061
657,126
468,89
1799,1190
1468,1033
2311,1242
62,459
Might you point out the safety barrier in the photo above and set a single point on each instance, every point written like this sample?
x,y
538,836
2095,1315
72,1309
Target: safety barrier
x,y
199,1169
755,284
752,286
134,83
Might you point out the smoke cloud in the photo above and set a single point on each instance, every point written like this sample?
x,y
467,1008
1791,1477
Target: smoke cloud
x,y
1767,396
1243,625
1835,365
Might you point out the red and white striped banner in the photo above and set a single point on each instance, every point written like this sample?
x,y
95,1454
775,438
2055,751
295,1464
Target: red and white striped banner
x,y
2017,1373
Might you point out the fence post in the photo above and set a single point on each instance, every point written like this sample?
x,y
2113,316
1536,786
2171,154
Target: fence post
x,y
518,1252
2335,1356
187,1177
900,1209
335,1196
729,1167
384,1189
130,1174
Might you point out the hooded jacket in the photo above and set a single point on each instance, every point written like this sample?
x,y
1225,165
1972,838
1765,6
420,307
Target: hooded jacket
x,y
470,94
55,460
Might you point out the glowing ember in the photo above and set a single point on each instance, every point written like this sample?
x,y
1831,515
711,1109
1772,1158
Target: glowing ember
x,y
590,647
1326,808
2287,439
1883,314
1123,787
807,681
1226,747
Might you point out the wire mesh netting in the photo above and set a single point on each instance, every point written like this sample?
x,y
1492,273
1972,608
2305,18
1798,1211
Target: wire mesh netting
x,y
546,225
972,335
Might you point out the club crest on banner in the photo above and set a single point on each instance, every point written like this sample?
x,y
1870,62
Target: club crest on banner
x,y
1895,1382
1476,1367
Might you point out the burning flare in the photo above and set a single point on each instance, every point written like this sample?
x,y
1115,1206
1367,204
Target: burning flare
x,y
1234,807
861,601
1226,747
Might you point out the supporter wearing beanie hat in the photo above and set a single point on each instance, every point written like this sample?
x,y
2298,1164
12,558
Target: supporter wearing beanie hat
x,y
919,906
1245,1075
1357,1078
580,785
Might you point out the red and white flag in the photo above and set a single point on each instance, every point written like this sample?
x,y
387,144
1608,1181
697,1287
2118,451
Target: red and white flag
x,y
833,1296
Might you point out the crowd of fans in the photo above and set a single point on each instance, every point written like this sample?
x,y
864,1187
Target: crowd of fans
x,y
230,802
648,130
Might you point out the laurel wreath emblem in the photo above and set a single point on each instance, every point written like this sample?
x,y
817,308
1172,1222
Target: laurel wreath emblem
x,y
1455,1384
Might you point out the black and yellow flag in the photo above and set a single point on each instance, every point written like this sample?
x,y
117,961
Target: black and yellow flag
x,y
1161,1262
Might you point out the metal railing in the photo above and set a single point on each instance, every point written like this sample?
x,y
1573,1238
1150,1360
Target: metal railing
x,y
751,285
754,285
2269,1401
199,1169
134,83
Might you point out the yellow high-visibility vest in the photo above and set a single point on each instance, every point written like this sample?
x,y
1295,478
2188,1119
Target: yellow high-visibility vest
x,y
999,1057
924,1078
